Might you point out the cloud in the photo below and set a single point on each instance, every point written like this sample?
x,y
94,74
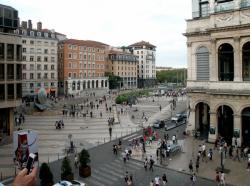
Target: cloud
x,y
116,22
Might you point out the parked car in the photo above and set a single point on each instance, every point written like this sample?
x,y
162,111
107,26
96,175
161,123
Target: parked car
x,y
68,183
158,124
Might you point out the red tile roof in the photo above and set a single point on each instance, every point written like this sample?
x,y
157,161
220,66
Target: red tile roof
x,y
84,43
142,43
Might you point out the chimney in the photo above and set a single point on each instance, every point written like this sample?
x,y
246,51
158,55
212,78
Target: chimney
x,y
39,26
29,24
24,24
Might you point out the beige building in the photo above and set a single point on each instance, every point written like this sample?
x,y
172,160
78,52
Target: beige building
x,y
10,69
123,64
218,44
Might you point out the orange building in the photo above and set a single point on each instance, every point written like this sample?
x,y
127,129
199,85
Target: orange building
x,y
82,66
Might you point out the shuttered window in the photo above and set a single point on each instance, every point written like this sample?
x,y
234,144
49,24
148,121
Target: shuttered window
x,y
202,59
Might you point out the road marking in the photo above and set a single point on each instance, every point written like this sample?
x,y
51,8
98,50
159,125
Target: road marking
x,y
135,138
129,136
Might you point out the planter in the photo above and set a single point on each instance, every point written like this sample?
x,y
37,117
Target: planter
x,y
85,172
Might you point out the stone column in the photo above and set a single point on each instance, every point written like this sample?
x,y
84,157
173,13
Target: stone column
x,y
238,126
211,6
213,63
190,62
191,121
237,60
213,125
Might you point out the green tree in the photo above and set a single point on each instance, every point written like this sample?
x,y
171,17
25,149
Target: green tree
x,y
66,170
172,76
114,81
45,175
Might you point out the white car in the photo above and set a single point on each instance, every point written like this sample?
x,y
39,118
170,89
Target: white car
x,y
72,183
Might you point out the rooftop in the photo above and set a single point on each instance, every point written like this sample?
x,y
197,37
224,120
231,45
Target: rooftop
x,y
141,44
84,42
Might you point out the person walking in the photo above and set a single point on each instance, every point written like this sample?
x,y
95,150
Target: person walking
x,y
151,164
248,164
157,181
217,178
151,183
146,164
193,179
190,166
197,165
164,179
76,161
222,178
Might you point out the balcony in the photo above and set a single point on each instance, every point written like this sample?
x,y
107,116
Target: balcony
x,y
222,87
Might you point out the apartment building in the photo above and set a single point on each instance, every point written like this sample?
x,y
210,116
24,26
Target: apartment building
x,y
124,64
146,67
218,45
82,66
10,69
39,48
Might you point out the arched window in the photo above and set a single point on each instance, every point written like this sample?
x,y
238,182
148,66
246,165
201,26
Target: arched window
x,y
202,60
246,61
226,62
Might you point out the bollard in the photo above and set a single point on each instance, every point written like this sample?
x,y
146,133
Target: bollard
x,y
58,155
104,140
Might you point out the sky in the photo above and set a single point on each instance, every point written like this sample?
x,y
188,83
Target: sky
x,y
116,22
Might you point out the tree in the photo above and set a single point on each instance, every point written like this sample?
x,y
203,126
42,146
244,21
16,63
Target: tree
x,y
172,76
66,170
45,175
114,81
84,158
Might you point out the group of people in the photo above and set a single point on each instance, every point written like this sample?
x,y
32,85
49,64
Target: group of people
x,y
59,124
157,180
19,119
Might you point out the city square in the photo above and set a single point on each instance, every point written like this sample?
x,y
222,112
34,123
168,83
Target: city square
x,y
85,100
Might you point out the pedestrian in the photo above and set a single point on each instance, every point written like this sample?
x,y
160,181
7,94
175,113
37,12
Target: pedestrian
x,y
217,178
124,157
173,139
230,151
193,179
126,177
225,149
129,182
151,164
146,164
101,114
210,154
157,181
237,155
222,178
164,179
248,164
197,165
190,166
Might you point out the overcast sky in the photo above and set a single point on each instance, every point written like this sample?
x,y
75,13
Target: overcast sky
x,y
116,22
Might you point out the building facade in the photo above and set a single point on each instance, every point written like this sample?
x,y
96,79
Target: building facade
x,y
218,45
146,72
39,48
82,66
123,64
10,69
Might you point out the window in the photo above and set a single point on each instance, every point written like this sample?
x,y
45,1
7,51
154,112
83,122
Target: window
x,y
31,58
39,50
24,58
45,59
69,74
38,75
46,34
31,42
52,51
70,56
31,85
52,67
45,75
45,51
10,52
32,50
74,56
24,75
1,50
52,44
39,34
31,76
70,65
38,58
39,42
24,66
52,59
31,33
74,47
38,85
39,67
24,41
52,76
31,66
45,67
74,76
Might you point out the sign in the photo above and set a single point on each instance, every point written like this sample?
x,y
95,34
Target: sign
x,y
24,143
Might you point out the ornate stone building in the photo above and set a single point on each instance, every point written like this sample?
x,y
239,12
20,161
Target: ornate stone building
x,y
218,45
